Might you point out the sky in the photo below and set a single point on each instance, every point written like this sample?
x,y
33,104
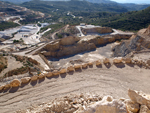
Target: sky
x,y
133,1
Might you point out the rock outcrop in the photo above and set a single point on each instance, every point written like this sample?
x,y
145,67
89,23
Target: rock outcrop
x,y
139,97
74,45
101,30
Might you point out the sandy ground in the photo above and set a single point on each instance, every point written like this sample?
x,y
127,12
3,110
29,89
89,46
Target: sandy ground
x,y
113,80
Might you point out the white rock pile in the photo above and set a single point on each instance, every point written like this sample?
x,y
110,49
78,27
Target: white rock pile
x,y
138,103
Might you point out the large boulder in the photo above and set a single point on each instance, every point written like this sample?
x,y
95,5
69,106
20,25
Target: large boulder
x,y
62,71
15,83
7,86
25,80
56,72
139,97
107,105
106,61
128,60
41,76
50,74
1,87
117,60
34,78
84,65
70,68
98,62
77,66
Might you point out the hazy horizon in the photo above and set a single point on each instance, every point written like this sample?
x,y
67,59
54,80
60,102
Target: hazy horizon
x,y
133,1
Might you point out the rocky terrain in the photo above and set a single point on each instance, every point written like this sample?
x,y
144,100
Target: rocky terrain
x,y
138,42
81,86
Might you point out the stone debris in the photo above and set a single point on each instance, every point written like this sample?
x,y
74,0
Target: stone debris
x,y
91,103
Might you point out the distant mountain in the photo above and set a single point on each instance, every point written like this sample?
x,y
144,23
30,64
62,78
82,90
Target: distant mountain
x,y
133,20
73,5
135,7
101,1
129,6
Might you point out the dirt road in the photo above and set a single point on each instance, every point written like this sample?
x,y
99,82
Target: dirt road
x,y
101,80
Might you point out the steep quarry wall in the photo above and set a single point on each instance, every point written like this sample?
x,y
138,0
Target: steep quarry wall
x,y
137,43
101,30
73,45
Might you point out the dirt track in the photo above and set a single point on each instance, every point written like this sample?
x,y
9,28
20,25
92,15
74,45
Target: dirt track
x,y
101,80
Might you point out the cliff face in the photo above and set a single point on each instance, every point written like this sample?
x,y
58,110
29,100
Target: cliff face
x,y
73,45
101,30
136,43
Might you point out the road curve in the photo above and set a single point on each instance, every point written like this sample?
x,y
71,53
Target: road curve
x,y
102,80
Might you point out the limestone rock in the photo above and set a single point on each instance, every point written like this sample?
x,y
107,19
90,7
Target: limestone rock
x,y
132,106
70,68
98,62
15,83
148,62
106,61
84,65
49,74
117,60
105,106
7,86
25,80
144,109
128,60
90,63
56,72
1,87
62,71
41,75
34,78
77,66
139,97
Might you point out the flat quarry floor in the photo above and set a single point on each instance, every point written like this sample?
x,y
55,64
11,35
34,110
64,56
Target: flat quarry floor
x,y
99,53
105,80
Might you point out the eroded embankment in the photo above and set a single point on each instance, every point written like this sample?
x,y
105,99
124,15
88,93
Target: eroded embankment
x,y
103,78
